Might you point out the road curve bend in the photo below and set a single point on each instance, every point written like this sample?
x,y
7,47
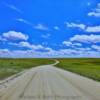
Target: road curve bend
x,y
50,83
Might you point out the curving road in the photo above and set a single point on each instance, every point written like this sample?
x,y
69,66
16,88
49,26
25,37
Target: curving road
x,y
50,83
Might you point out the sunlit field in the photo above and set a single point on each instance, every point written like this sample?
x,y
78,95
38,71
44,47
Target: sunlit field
x,y
85,66
9,67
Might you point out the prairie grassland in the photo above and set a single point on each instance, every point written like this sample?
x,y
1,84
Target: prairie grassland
x,y
88,67
9,66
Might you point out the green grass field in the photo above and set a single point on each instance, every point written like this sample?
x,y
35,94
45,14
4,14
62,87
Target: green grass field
x,y
9,67
89,67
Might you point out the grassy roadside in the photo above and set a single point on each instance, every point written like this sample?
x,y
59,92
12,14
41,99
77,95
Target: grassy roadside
x,y
9,67
88,67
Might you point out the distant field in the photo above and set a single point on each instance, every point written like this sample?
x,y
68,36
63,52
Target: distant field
x,y
89,67
9,67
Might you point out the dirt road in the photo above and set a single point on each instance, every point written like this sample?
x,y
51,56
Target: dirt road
x,y
50,83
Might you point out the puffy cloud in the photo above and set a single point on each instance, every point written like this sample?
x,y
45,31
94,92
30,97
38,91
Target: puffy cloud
x,y
83,49
4,51
77,44
69,43
74,25
13,35
67,51
84,27
82,52
25,53
93,29
86,38
2,39
31,46
28,45
96,47
95,12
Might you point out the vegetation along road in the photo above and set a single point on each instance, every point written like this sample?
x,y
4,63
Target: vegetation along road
x,y
47,82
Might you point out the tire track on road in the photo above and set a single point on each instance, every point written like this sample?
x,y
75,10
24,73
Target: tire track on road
x,y
77,87
27,85
48,83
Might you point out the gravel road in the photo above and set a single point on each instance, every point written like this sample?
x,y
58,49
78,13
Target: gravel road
x,y
50,83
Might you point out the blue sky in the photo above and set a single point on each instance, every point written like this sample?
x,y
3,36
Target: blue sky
x,y
50,28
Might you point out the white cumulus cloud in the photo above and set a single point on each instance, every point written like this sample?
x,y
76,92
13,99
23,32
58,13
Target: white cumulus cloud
x,y
84,27
30,46
96,47
95,12
13,35
86,38
74,25
69,43
82,52
93,29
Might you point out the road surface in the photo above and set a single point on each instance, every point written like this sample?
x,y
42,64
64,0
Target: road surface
x,y
50,83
